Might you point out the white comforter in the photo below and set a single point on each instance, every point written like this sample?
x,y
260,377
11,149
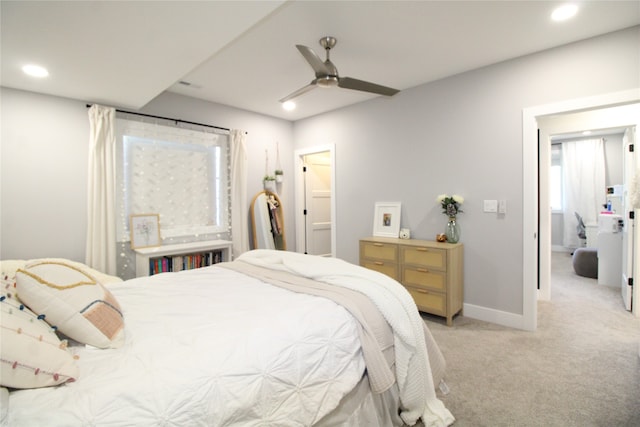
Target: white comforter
x,y
255,355
413,371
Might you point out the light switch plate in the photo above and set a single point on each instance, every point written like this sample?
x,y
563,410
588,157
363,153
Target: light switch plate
x,y
491,206
502,206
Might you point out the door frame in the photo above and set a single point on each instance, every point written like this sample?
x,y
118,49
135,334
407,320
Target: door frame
x,y
299,204
531,241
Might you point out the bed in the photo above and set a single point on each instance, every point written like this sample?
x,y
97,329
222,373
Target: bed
x,y
273,338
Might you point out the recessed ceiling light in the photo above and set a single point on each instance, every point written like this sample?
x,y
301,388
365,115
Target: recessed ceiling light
x,y
289,105
564,12
35,70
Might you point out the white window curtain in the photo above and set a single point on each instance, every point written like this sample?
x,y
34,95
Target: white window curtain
x,y
583,166
101,208
239,225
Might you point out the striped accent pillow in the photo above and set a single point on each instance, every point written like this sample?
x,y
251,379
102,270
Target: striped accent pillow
x,y
31,354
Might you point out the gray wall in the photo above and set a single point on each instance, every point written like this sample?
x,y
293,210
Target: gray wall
x,y
43,169
461,135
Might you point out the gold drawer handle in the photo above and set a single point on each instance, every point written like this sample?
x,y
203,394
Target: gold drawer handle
x,y
378,263
422,291
422,270
378,245
422,249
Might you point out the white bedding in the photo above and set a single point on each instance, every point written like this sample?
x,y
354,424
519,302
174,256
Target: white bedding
x,y
255,354
413,370
249,362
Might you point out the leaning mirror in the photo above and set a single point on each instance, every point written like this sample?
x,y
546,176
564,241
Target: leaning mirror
x,y
267,225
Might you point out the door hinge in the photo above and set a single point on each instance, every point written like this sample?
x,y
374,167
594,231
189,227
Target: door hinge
x,y
630,281
632,215
631,148
304,169
304,212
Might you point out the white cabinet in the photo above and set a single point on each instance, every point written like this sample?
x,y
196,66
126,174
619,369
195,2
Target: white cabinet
x,y
183,256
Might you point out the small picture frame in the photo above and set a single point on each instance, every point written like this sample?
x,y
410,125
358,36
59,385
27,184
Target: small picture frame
x,y
145,230
386,219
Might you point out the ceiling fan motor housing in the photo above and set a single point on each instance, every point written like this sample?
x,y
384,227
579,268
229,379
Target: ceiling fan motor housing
x,y
327,81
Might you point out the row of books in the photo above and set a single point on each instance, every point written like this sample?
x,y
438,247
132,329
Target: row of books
x,y
183,262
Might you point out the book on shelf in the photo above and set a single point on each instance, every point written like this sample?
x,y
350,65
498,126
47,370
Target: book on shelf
x,y
175,263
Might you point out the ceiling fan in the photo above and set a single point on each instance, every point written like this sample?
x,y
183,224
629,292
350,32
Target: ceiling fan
x,y
327,74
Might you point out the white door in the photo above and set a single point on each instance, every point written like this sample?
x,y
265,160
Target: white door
x,y
318,221
628,249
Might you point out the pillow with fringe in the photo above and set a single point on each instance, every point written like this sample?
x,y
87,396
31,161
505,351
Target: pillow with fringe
x,y
31,353
72,299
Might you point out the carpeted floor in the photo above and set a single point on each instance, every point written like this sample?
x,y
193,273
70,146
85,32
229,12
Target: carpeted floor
x,y
580,368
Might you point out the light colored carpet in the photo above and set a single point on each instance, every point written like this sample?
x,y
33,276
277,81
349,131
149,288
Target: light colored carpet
x,y
580,368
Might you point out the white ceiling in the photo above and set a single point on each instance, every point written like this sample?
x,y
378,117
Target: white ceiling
x,y
242,53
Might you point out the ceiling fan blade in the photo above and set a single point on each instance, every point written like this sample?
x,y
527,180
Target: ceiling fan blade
x,y
299,92
355,84
314,60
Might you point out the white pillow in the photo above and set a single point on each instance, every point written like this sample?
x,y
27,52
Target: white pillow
x,y
32,355
8,268
73,301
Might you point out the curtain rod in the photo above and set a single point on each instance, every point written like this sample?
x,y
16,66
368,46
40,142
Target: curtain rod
x,y
168,118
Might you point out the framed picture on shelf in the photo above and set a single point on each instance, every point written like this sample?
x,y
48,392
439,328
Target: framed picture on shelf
x,y
386,219
145,230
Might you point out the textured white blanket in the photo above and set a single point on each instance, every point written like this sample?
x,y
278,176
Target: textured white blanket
x,y
413,371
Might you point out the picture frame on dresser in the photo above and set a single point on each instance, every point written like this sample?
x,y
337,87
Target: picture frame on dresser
x,y
386,219
145,230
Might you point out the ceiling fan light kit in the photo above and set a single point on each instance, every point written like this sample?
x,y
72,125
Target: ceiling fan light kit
x,y
327,74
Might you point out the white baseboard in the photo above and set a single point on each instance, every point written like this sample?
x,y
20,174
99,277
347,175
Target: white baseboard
x,y
503,318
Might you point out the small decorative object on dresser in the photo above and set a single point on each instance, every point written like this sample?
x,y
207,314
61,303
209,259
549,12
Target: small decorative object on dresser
x,y
451,208
432,272
405,233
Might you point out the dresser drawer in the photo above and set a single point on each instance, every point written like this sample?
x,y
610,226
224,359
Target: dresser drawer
x,y
428,301
379,251
423,277
431,258
432,272
388,268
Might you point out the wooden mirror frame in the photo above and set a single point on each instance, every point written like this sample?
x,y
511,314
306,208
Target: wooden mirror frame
x,y
261,224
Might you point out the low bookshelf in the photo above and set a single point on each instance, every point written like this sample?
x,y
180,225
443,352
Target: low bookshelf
x,y
182,256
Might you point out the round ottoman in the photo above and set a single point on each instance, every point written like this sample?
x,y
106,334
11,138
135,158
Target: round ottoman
x,y
585,262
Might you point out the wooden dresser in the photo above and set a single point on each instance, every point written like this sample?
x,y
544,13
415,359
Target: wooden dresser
x,y
432,272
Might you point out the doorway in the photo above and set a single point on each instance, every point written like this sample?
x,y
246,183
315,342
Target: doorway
x,y
315,201
601,121
536,216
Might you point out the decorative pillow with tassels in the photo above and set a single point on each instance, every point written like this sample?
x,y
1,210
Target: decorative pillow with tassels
x,y
74,300
31,354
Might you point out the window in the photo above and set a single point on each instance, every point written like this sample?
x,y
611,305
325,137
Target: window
x,y
181,174
555,179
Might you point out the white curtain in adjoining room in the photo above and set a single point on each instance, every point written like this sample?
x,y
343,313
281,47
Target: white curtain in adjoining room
x,y
239,212
583,176
101,209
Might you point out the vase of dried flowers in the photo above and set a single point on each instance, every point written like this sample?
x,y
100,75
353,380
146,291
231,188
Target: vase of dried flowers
x,y
451,208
